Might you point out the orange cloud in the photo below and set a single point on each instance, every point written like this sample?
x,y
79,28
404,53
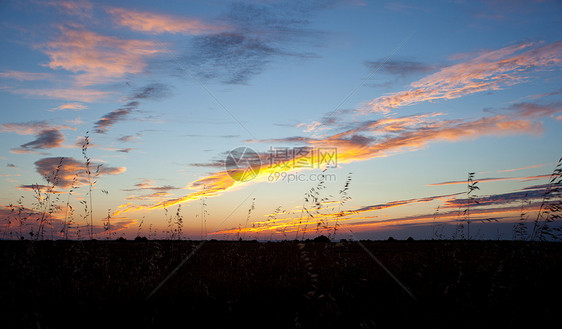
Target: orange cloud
x,y
354,147
161,23
489,71
98,58
523,168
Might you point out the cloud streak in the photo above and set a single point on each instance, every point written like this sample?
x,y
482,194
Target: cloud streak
x,y
524,168
151,91
24,76
71,94
493,179
401,67
398,203
102,125
161,23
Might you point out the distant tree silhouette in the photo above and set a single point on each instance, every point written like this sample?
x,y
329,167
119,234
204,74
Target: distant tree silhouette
x,y
321,238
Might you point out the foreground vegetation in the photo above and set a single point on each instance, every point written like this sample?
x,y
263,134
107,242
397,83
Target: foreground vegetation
x,y
461,284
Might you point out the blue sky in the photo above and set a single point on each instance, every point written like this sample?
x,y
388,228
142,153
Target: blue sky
x,y
410,95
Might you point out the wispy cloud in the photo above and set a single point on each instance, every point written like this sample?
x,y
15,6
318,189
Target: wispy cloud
x,y
162,23
102,125
156,196
80,8
412,133
491,70
128,138
232,57
494,179
214,164
528,109
524,168
505,206
397,203
259,33
71,94
496,200
147,184
24,76
75,122
401,67
401,7
151,91
70,106
30,128
97,58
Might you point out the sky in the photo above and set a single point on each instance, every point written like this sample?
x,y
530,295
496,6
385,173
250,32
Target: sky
x,y
276,120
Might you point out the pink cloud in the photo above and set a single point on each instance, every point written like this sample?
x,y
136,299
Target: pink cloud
x,y
489,71
161,23
70,106
98,58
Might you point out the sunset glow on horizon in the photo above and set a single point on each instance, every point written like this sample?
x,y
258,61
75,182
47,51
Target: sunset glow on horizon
x,y
365,118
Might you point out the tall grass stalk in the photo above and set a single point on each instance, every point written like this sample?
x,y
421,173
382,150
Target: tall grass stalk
x,y
46,207
66,222
551,208
471,186
91,180
252,207
520,228
344,197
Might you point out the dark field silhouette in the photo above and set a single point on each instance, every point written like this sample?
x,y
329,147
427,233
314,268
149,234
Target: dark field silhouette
x,y
456,284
